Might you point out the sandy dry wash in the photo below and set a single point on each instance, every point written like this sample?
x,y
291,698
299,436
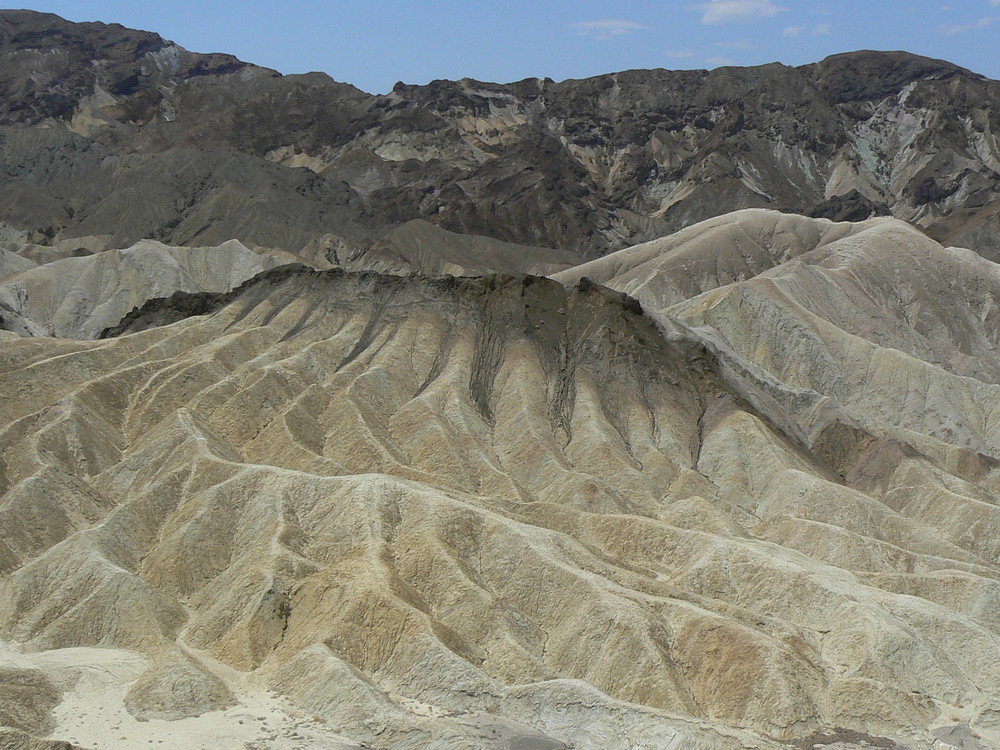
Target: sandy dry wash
x,y
336,509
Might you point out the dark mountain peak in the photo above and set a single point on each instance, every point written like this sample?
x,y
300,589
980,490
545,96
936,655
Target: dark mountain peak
x,y
49,65
871,74
28,29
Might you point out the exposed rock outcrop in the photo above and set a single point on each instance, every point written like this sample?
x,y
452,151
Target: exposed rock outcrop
x,y
175,687
138,138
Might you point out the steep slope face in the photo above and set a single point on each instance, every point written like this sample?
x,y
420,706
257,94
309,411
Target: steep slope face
x,y
11,263
420,247
437,513
919,358
218,149
710,254
68,291
63,185
875,316
80,297
76,159
55,69
851,136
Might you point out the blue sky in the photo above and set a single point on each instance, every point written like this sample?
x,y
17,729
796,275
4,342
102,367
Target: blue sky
x,y
373,44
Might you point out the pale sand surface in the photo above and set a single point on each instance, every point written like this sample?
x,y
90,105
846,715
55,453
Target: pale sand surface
x,y
92,713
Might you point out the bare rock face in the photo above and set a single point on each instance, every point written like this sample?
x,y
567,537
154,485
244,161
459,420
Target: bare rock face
x,y
137,138
12,739
132,62
27,698
420,247
175,687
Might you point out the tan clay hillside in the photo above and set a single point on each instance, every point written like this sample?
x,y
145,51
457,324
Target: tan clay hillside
x,y
874,316
54,291
356,510
78,297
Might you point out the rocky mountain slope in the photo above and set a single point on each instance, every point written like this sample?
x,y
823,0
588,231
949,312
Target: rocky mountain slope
x,y
152,141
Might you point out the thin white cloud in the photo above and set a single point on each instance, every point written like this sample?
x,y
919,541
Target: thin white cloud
x,y
716,61
737,11
743,44
679,53
818,30
607,28
982,23
995,3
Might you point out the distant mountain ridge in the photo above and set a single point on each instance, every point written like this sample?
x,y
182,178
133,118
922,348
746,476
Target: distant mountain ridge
x,y
127,64
123,134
